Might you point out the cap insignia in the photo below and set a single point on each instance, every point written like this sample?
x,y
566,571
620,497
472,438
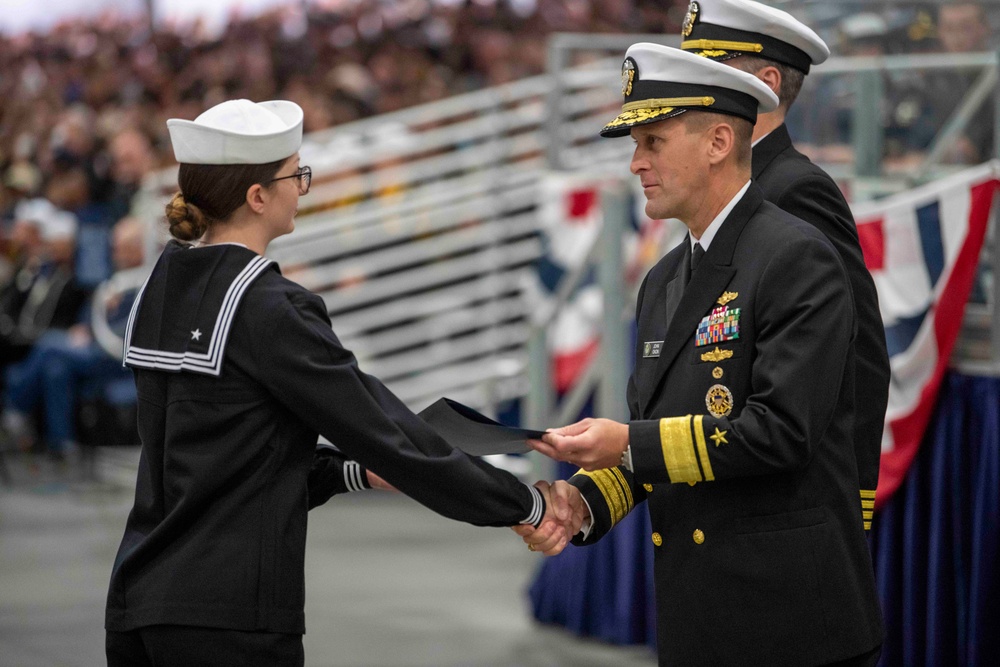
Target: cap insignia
x,y
690,19
628,76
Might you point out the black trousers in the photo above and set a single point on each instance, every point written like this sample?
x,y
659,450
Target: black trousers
x,y
189,646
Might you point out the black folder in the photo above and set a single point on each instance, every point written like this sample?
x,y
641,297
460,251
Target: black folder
x,y
474,433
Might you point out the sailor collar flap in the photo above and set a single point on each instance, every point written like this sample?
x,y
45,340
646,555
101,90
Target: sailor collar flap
x,y
184,313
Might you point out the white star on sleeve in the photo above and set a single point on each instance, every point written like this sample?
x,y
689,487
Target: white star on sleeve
x,y
196,334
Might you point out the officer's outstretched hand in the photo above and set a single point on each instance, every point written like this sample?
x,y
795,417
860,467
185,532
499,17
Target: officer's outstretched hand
x,y
592,444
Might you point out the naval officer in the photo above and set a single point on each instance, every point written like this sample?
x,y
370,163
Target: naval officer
x,y
742,398
779,50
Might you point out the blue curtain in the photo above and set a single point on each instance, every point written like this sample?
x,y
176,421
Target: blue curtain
x,y
935,542
935,550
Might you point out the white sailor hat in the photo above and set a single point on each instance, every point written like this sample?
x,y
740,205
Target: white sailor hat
x,y
52,223
660,82
238,132
723,29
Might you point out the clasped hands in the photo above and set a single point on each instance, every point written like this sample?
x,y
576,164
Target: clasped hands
x,y
565,513
592,444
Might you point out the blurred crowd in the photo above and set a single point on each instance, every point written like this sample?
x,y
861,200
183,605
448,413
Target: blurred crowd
x,y
83,110
914,105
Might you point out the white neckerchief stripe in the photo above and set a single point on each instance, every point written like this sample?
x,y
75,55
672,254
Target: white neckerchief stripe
x,y
208,362
252,271
131,320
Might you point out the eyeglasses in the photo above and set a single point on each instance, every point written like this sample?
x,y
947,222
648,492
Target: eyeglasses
x,y
305,176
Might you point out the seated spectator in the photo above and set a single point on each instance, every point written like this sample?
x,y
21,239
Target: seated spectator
x,y
21,181
40,293
132,159
51,376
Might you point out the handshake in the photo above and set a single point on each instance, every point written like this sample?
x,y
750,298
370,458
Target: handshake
x,y
566,513
592,444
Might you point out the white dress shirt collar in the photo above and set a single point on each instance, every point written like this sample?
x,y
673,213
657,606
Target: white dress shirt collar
x,y
713,227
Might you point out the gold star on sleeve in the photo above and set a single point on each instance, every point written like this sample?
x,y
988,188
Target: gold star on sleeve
x,y
719,437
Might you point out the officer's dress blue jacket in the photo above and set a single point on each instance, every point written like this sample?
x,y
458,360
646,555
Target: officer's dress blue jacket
x,y
792,182
760,556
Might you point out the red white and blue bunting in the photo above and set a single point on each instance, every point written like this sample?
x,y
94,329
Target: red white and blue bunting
x,y
922,248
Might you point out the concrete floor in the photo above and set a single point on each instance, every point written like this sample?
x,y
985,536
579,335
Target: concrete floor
x,y
388,582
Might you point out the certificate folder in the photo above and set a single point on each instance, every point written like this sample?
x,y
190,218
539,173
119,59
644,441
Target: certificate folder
x,y
474,433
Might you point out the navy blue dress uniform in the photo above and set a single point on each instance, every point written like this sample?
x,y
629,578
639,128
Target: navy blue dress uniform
x,y
740,439
724,29
790,180
238,372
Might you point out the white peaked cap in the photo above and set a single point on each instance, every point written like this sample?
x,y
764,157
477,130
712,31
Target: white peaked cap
x,y
238,132
766,30
659,82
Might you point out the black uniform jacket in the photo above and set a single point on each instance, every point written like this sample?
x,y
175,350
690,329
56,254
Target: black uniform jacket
x,y
237,371
790,180
759,550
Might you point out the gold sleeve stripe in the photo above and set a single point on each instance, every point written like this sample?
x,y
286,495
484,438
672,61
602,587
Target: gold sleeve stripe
x,y
626,489
868,494
868,525
867,504
673,102
613,495
712,44
867,515
678,449
699,438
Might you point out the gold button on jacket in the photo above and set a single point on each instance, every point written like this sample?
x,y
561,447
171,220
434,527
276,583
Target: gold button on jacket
x,y
657,540
648,487
698,536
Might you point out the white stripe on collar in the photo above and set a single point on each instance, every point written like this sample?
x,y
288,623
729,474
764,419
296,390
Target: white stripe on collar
x,y
131,320
208,363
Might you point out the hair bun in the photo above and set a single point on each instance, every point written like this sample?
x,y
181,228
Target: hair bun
x,y
187,222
